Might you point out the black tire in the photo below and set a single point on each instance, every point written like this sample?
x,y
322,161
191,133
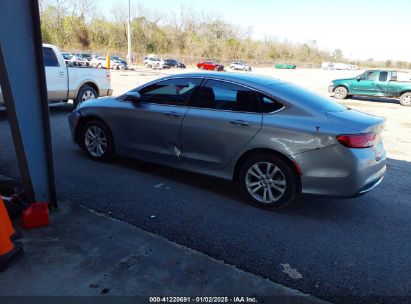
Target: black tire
x,y
201,68
405,99
109,150
286,175
340,92
86,89
99,66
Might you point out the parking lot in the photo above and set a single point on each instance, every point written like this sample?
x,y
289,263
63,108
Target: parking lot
x,y
338,247
396,137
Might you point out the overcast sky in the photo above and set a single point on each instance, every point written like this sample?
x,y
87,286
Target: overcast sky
x,y
363,29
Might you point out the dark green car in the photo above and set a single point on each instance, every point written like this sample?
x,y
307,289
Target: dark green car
x,y
376,83
285,66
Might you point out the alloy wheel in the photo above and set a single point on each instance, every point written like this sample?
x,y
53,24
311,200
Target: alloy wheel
x,y
339,92
95,141
407,100
88,95
265,182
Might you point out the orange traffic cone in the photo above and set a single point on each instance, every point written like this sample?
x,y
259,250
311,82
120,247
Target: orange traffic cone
x,y
108,61
8,249
5,222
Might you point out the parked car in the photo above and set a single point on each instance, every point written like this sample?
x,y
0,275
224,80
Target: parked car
x,y
155,63
341,66
76,83
100,62
173,63
119,60
86,56
79,60
210,65
276,139
238,65
67,57
327,65
376,83
285,66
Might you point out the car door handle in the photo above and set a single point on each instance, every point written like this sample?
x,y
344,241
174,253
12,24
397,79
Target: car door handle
x,y
240,123
172,114
61,74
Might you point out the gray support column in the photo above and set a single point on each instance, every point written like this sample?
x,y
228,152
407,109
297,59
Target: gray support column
x,y
23,83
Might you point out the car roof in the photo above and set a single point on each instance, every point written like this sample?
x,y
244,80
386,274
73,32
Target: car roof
x,y
235,77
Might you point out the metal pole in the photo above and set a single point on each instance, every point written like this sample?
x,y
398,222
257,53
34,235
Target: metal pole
x,y
129,33
23,82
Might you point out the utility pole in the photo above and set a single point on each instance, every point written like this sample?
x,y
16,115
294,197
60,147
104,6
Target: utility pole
x,y
129,33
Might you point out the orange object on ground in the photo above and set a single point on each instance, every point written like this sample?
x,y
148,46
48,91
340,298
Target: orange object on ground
x,y
36,215
5,222
8,249
6,245
108,61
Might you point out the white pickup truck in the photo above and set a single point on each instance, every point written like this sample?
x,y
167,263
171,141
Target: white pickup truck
x,y
76,83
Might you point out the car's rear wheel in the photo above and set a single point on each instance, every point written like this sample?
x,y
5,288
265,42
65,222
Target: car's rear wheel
x,y
216,69
201,67
97,141
85,93
405,99
340,92
268,181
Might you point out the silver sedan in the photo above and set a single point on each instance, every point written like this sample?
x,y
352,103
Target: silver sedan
x,y
275,139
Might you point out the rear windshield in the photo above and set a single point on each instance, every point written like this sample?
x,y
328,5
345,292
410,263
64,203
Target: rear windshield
x,y
299,96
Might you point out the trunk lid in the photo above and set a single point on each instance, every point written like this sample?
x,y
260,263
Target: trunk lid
x,y
355,122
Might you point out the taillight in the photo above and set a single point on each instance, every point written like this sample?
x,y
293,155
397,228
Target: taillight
x,y
108,75
363,140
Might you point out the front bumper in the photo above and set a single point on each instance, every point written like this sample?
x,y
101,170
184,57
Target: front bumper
x,y
73,119
330,89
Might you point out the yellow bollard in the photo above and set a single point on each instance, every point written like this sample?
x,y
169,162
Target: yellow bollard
x,y
108,61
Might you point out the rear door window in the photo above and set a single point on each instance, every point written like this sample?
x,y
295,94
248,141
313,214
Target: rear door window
x,y
269,105
220,95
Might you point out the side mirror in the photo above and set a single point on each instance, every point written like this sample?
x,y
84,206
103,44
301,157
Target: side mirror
x,y
132,96
359,78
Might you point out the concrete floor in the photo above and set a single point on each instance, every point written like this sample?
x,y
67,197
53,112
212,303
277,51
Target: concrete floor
x,y
83,253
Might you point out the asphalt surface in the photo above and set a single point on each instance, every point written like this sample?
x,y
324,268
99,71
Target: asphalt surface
x,y
359,247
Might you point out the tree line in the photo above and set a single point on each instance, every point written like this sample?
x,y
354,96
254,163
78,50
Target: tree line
x,y
186,33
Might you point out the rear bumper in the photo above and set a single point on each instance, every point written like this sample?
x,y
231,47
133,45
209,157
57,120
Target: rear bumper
x,y
340,172
367,188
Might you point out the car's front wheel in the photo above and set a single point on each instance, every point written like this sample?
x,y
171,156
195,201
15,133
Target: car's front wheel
x,y
340,92
268,181
97,141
